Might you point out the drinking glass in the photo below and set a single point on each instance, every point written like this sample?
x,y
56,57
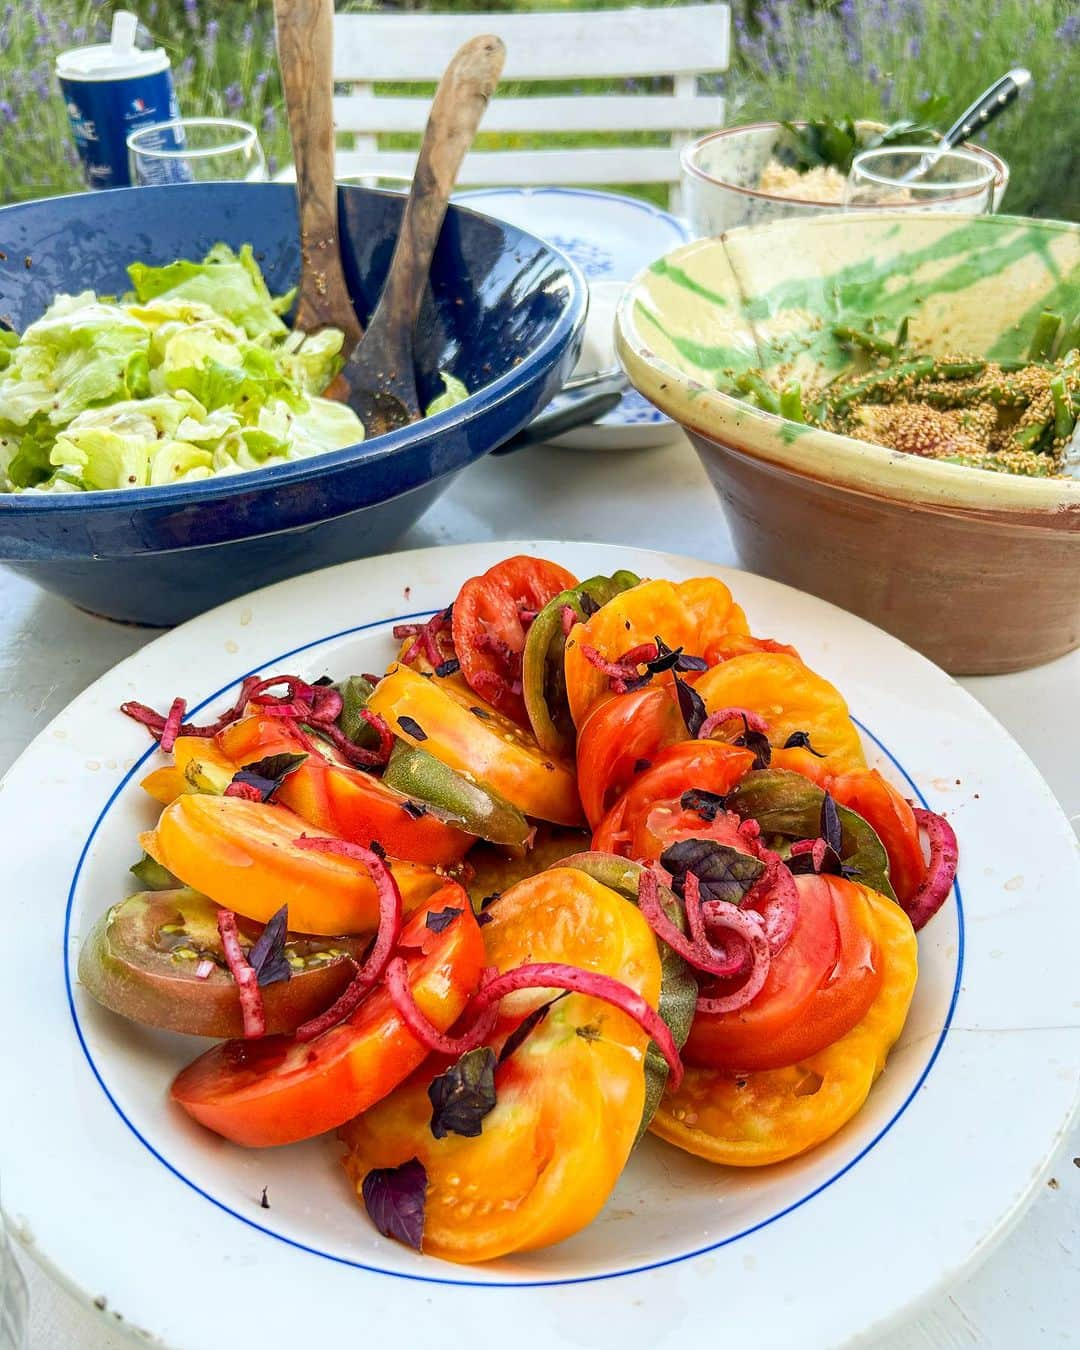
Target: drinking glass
x,y
196,150
920,178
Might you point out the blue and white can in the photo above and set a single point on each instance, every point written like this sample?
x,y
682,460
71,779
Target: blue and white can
x,y
112,89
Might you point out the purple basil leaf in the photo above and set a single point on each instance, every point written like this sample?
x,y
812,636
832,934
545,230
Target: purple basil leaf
x,y
708,805
463,1095
666,657
484,918
685,663
526,1027
800,740
323,682
638,682
411,727
414,809
482,713
394,1198
802,864
830,825
450,667
267,955
640,765
691,705
377,849
267,775
758,742
444,918
490,899
587,604
723,872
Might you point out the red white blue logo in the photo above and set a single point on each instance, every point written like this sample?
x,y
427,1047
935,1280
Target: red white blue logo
x,y
138,105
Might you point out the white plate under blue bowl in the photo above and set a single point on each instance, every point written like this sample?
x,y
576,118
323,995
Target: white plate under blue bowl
x,y
611,237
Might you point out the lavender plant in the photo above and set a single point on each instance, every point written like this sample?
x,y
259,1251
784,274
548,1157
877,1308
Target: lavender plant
x,y
888,59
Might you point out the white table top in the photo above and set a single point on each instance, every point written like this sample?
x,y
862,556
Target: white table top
x,y
1028,1293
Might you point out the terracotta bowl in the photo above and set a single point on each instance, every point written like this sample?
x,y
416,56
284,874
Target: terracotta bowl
x,y
721,171
978,570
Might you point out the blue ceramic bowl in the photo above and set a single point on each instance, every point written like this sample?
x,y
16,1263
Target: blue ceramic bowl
x,y
504,313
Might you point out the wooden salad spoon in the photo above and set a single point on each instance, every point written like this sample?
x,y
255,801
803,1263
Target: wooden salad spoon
x,y
380,373
305,41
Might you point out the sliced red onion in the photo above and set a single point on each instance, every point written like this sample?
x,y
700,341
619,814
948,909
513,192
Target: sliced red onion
x,y
429,1036
204,969
248,791
626,667
298,692
695,950
389,930
940,871
526,616
817,848
247,981
171,729
356,755
776,898
567,618
555,975
720,914
717,719
155,723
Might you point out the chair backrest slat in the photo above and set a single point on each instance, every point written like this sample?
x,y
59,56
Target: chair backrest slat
x,y
680,43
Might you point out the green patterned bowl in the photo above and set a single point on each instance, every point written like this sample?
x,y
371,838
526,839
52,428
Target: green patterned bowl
x,y
979,570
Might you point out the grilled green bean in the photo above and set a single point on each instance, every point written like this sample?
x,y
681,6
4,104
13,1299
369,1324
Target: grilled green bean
x,y
858,337
1064,420
791,404
1044,336
749,382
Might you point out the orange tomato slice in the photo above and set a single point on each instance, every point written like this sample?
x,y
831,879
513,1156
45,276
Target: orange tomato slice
x,y
752,1119
790,697
569,1100
688,614
469,735
242,855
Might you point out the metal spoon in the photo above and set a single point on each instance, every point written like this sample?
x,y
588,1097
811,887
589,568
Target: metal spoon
x,y
304,41
990,104
379,375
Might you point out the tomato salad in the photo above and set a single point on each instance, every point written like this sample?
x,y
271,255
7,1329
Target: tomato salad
x,y
589,860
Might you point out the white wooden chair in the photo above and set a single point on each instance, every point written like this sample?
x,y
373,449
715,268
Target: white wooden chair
x,y
682,43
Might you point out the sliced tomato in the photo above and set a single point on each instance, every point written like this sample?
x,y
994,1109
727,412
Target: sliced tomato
x,y
879,803
819,985
620,739
276,1091
688,614
738,644
752,1119
569,1099
342,800
649,816
489,635
790,697
243,855
468,734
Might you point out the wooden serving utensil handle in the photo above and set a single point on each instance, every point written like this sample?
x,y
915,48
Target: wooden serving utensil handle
x,y
460,100
305,52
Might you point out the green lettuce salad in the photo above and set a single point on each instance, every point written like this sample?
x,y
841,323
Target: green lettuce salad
x,y
192,375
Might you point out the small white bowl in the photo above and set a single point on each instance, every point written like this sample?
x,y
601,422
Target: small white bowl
x,y
720,173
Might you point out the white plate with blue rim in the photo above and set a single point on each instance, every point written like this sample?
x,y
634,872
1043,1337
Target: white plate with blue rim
x,y
162,1228
611,237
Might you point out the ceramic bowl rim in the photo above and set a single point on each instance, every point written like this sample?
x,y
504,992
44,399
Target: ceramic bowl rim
x,y
689,166
333,463
844,461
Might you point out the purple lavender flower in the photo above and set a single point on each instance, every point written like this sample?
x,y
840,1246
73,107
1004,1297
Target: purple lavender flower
x,y
78,36
211,33
7,112
191,12
872,73
234,97
187,67
271,165
914,47
1069,30
246,35
887,90
269,119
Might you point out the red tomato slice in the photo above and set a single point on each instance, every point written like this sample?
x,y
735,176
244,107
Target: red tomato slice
x,y
277,1091
342,800
489,635
633,828
818,987
617,737
879,803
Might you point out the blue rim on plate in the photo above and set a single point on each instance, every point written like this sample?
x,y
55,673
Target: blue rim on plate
x,y
445,1280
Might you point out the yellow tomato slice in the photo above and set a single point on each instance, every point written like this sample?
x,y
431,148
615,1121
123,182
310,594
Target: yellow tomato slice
x,y
568,1101
689,614
790,697
749,1120
450,722
199,766
243,855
